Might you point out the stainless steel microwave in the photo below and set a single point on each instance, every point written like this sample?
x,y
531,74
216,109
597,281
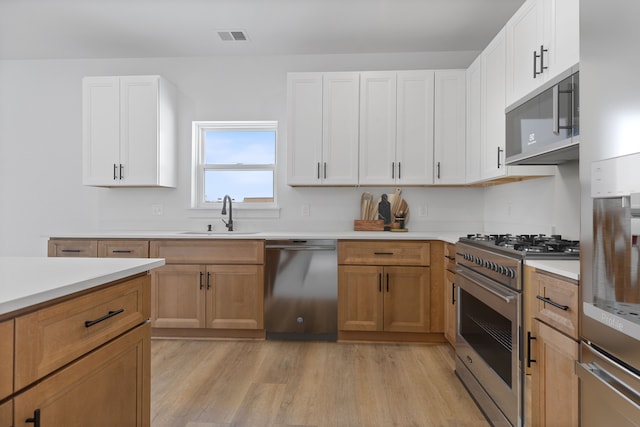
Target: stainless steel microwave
x,y
544,129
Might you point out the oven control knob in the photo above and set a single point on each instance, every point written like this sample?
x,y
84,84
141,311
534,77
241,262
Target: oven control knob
x,y
478,260
512,273
501,270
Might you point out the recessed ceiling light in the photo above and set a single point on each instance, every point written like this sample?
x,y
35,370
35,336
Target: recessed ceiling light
x,y
233,35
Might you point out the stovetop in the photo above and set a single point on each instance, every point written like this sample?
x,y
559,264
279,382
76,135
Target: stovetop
x,y
537,246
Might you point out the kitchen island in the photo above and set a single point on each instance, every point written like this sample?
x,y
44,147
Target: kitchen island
x,y
75,340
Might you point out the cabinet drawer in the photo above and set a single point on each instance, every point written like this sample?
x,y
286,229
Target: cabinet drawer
x,y
123,248
6,359
48,339
383,252
560,307
209,251
72,248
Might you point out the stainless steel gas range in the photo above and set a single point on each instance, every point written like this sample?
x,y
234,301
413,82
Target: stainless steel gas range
x,y
490,316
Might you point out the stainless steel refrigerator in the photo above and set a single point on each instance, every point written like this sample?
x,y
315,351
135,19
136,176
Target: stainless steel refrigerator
x,y
609,366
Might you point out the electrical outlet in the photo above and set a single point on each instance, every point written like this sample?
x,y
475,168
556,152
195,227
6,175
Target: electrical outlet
x,y
157,210
306,210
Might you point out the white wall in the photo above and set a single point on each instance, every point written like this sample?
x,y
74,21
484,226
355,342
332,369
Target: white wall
x,y
40,150
548,205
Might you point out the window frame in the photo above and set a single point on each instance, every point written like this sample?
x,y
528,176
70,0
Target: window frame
x,y
198,168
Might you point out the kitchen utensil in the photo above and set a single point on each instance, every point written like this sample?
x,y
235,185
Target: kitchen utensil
x,y
394,199
365,204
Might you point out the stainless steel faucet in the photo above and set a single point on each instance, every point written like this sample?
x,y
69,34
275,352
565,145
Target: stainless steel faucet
x,y
228,224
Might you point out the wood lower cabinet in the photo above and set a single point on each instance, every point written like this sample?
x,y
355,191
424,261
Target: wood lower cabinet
x,y
450,298
208,296
552,304
392,299
73,248
214,285
385,292
6,356
6,414
123,248
554,382
80,360
115,248
108,387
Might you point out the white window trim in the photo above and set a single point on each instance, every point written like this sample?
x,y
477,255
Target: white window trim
x,y
254,210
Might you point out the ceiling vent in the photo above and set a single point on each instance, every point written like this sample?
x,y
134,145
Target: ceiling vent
x,y
233,35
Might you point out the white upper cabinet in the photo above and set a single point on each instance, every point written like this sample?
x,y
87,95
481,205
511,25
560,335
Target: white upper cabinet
x,y
450,127
304,128
542,42
493,60
396,128
322,128
377,127
129,132
340,109
414,128
474,125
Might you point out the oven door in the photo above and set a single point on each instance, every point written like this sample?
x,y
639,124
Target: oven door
x,y
487,343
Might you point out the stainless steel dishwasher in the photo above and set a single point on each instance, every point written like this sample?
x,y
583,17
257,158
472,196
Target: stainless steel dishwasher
x,y
301,290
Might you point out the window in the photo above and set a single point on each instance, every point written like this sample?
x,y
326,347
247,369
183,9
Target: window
x,y
234,158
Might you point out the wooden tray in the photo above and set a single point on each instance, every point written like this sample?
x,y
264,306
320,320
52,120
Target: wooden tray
x,y
368,225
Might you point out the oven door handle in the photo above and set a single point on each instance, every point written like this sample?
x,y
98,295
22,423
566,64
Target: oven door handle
x,y
508,298
594,370
505,296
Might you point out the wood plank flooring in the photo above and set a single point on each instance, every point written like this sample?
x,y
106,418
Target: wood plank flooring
x,y
305,384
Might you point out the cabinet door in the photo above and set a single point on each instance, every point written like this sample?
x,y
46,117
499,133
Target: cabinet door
x,y
340,112
6,360
406,299
524,38
561,34
139,138
474,121
6,414
414,128
360,298
451,307
235,296
377,128
493,107
100,130
178,296
449,127
554,382
108,387
304,128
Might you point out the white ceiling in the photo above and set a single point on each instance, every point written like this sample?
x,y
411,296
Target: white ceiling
x,y
44,29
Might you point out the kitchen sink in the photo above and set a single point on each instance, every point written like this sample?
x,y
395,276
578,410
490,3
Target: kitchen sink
x,y
219,233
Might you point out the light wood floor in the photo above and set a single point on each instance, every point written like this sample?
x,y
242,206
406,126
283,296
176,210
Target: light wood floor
x,y
284,383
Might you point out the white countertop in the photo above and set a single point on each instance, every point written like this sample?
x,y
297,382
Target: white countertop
x,y
450,237
565,268
26,281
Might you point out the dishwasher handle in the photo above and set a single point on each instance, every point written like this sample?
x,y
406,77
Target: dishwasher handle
x,y
301,248
608,380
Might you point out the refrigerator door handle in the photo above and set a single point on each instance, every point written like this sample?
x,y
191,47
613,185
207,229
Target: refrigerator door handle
x,y
595,371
